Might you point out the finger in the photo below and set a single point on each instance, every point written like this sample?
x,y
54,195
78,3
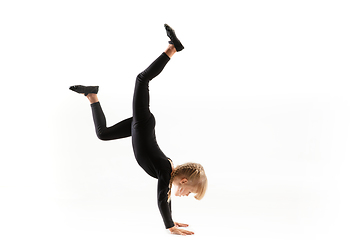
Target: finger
x,y
182,225
187,232
179,232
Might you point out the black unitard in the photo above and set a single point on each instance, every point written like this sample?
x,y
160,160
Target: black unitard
x,y
142,129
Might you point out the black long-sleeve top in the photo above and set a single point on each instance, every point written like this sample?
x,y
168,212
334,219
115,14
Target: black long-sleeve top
x,y
155,163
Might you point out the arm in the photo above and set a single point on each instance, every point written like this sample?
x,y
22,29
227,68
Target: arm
x,y
164,206
166,211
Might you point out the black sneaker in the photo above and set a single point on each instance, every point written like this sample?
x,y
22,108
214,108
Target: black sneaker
x,y
174,40
84,89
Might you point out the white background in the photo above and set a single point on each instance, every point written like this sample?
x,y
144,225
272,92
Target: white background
x,y
262,97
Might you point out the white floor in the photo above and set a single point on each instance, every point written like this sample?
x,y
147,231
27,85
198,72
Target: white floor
x,y
261,96
278,212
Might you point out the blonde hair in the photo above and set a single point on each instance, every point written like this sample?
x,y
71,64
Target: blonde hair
x,y
195,173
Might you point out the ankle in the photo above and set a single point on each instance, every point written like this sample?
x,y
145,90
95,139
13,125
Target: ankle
x,y
93,98
170,51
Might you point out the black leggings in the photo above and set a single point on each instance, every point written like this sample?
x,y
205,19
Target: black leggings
x,y
141,110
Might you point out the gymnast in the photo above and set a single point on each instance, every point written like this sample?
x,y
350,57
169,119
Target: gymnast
x,y
187,178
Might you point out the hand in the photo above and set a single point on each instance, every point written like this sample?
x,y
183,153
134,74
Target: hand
x,y
180,224
176,230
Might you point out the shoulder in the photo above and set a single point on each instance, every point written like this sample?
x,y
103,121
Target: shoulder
x,y
164,168
164,175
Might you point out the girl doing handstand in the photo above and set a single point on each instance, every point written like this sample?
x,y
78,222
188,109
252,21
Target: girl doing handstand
x,y
188,178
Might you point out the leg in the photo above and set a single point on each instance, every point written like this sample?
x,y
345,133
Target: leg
x,y
117,131
141,111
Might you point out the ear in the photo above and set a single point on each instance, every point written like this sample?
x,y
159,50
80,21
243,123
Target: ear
x,y
183,181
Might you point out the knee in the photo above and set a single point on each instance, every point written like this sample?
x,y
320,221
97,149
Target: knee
x,y
102,136
142,77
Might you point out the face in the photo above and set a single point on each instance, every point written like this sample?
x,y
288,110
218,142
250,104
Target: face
x,y
183,188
